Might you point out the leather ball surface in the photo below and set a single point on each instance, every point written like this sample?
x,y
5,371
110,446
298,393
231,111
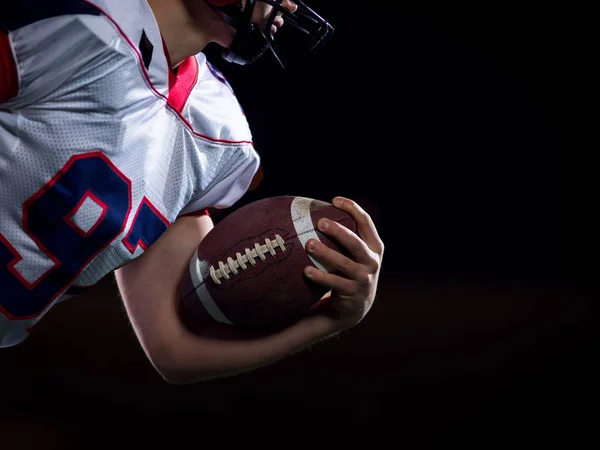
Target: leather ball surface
x,y
249,269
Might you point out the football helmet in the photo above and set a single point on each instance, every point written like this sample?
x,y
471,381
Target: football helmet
x,y
304,33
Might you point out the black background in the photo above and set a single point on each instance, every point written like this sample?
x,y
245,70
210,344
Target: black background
x,y
457,127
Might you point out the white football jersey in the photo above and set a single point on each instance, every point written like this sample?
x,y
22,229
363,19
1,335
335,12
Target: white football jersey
x,y
102,147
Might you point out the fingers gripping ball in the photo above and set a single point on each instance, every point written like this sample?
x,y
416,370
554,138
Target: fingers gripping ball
x,y
249,269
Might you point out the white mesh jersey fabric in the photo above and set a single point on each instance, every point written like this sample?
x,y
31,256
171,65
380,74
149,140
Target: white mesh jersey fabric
x,y
92,135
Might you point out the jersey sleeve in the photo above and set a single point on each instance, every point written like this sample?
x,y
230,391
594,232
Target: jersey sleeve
x,y
214,113
43,47
230,186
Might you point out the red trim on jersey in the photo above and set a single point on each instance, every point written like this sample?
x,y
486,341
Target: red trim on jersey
x,y
88,194
9,78
17,258
11,266
140,242
186,79
57,263
145,73
199,213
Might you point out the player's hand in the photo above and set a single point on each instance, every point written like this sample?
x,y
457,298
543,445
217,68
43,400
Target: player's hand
x,y
262,12
354,283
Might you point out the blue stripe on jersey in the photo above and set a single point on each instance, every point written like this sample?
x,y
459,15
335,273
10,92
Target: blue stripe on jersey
x,y
15,14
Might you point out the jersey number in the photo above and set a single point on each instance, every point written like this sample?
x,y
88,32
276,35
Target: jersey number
x,y
47,221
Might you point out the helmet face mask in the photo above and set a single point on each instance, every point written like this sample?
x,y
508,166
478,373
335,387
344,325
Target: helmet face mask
x,y
303,34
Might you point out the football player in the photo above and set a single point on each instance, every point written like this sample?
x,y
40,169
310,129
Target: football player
x,y
116,135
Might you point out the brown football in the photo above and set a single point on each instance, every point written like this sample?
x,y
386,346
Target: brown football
x,y
249,269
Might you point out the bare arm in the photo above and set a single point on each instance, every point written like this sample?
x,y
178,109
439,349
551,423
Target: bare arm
x,y
149,285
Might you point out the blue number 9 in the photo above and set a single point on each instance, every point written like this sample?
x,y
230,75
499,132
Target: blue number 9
x,y
46,221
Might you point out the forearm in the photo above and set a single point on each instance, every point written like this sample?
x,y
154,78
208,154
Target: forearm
x,y
223,350
149,287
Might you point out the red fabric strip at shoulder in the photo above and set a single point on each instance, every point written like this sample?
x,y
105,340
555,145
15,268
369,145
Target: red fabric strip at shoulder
x,y
186,79
9,79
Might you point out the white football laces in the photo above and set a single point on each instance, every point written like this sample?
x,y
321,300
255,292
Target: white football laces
x,y
226,270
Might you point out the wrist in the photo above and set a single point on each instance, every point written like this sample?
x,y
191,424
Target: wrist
x,y
338,320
